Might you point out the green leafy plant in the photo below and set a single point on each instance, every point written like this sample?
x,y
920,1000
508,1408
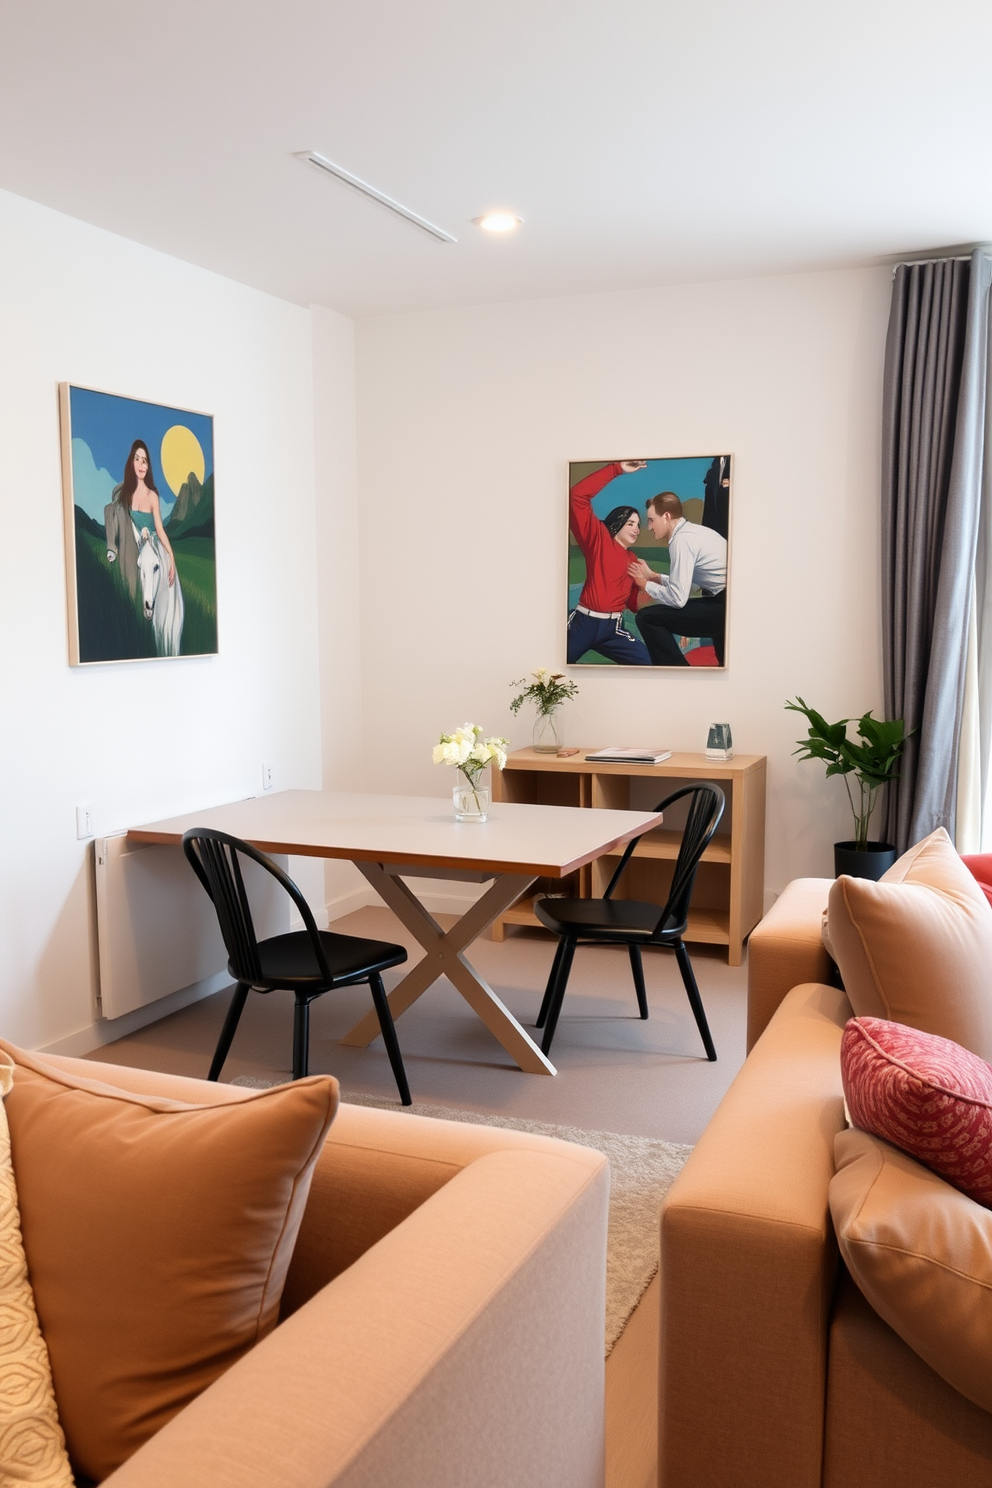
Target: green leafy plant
x,y
548,691
872,762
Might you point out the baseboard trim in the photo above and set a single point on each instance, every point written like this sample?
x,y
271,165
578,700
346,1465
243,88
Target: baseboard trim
x,y
105,1030
450,904
435,900
346,904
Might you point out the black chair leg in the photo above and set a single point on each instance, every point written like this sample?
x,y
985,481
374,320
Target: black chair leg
x,y
549,989
558,993
637,969
388,1030
695,1001
301,1037
227,1032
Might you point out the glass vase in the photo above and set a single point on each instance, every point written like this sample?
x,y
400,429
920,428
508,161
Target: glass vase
x,y
471,800
548,735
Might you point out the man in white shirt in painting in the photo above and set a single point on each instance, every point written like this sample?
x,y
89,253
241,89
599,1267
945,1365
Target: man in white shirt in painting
x,y
697,558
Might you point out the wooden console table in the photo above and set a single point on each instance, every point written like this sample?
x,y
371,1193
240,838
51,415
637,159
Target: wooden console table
x,y
728,899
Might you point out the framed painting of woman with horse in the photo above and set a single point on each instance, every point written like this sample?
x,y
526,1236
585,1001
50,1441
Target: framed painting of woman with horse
x,y
138,504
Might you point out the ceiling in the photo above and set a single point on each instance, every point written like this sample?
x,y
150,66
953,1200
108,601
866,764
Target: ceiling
x,y
643,141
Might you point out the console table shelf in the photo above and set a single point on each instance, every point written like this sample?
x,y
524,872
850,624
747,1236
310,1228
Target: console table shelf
x,y
728,900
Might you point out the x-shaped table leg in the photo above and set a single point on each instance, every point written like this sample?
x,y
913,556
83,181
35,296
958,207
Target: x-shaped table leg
x,y
443,957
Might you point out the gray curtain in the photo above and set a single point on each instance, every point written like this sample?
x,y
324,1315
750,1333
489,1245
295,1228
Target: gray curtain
x,y
932,461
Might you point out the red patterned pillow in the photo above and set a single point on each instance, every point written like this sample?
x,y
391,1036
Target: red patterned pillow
x,y
924,1094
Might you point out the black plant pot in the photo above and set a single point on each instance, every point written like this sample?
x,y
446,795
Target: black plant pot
x,y
871,863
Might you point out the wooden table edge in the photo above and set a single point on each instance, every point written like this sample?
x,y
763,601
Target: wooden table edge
x,y
414,859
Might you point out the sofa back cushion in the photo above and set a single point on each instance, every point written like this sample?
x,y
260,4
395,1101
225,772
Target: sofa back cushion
x,y
158,1234
921,1252
916,947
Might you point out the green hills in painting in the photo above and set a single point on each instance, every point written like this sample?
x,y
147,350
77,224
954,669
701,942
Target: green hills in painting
x,y
192,514
111,625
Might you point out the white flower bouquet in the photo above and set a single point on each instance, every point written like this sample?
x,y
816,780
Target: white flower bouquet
x,y
470,753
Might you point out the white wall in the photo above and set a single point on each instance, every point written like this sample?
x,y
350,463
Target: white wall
x,y
147,739
466,422
340,609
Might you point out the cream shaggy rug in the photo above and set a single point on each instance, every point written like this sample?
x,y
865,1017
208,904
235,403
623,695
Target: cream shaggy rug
x,y
642,1169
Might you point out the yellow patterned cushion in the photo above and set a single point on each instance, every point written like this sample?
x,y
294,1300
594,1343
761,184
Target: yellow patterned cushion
x,y
32,1447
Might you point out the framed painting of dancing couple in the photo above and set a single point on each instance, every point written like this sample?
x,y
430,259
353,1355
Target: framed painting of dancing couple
x,y
138,505
647,562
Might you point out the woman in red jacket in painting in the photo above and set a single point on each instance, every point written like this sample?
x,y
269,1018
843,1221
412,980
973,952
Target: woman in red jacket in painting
x,y
596,623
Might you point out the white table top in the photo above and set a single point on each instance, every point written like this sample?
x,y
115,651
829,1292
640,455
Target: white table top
x,y
550,841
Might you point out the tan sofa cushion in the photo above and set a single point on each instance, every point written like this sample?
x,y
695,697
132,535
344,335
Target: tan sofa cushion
x,y
158,1234
891,1421
921,1252
916,947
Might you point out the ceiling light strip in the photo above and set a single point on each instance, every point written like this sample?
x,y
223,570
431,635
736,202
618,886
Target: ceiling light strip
x,y
322,162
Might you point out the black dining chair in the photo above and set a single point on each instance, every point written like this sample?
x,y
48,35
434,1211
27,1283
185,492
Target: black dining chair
x,y
631,922
305,962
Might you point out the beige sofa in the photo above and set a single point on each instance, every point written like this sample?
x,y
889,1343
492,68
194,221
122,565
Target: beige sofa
x,y
775,1372
443,1319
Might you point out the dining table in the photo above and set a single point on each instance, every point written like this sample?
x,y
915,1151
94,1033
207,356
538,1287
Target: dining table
x,y
393,838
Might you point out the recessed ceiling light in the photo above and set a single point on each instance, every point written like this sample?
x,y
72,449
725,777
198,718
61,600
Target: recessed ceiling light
x,y
498,222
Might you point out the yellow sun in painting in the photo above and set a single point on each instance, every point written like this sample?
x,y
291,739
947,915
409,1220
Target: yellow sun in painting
x,y
181,456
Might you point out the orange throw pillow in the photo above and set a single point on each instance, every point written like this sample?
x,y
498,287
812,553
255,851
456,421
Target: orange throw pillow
x,y
158,1235
916,947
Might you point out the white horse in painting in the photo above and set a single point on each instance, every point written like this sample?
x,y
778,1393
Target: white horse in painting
x,y
161,602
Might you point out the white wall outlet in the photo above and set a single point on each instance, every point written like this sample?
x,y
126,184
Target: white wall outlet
x,y
84,822
266,777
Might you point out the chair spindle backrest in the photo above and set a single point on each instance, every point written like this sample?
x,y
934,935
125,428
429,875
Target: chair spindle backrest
x,y
215,860
703,818
705,811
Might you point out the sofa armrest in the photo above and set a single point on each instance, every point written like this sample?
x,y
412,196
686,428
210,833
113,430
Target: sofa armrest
x,y
786,949
375,1169
465,1348
748,1260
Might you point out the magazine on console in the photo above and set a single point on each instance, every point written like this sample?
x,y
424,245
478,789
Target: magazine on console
x,y
632,756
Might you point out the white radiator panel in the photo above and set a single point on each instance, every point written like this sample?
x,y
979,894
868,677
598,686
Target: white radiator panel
x,y
156,928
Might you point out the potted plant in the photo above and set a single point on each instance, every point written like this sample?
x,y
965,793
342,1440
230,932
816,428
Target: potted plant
x,y
872,762
548,691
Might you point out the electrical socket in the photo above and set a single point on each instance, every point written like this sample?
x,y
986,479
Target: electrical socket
x,y
84,822
266,777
